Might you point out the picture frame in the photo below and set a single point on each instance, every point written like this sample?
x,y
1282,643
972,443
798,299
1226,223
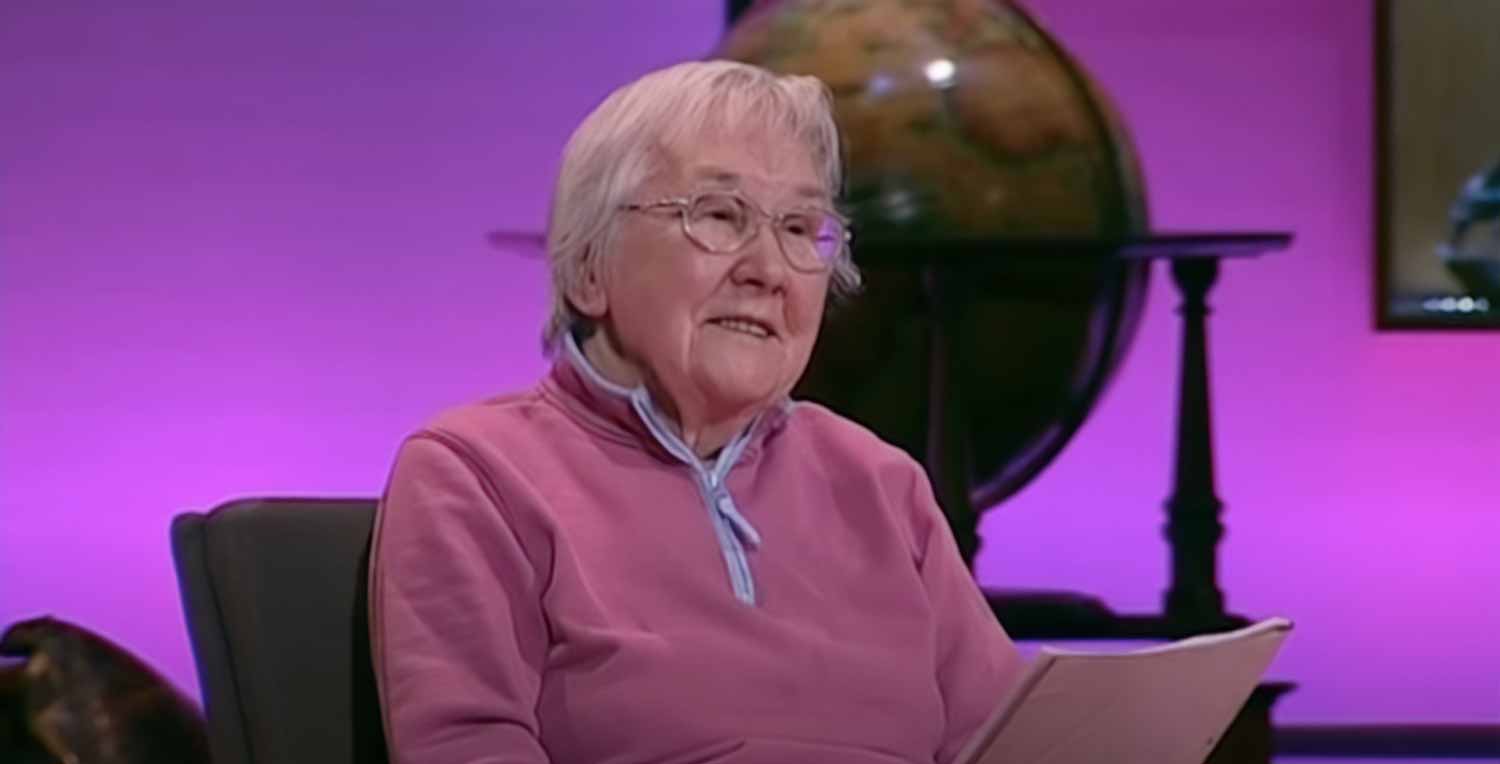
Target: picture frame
x,y
1437,162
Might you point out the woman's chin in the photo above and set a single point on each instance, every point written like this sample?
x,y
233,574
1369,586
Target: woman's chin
x,y
735,394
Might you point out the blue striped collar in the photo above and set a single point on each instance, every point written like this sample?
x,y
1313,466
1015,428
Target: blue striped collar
x,y
662,428
711,478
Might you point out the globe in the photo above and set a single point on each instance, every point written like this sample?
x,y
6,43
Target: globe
x,y
965,122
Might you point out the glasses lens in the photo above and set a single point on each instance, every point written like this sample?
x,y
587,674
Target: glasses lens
x,y
812,238
720,222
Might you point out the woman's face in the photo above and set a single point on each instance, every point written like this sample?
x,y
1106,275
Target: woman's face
x,y
719,335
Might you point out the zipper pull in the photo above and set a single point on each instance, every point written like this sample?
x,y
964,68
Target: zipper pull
x,y
747,533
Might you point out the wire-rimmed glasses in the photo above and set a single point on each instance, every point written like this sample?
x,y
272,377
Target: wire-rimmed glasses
x,y
811,237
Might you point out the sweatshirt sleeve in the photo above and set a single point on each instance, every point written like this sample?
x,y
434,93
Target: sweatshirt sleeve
x,y
976,661
457,631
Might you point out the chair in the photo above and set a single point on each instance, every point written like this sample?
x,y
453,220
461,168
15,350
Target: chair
x,y
274,593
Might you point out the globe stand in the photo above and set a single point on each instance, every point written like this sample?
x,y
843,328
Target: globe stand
x,y
1193,602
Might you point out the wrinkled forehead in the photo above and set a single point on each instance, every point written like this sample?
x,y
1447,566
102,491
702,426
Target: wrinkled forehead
x,y
763,161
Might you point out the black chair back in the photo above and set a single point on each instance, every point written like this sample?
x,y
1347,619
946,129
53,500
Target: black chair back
x,y
275,596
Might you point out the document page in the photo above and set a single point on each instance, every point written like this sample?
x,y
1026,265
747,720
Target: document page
x,y
1162,705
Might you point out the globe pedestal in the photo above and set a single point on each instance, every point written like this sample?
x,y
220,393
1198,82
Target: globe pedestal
x,y
1193,603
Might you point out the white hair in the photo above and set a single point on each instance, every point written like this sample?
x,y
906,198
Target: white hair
x,y
611,154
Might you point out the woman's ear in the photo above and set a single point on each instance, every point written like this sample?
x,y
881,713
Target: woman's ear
x,y
587,294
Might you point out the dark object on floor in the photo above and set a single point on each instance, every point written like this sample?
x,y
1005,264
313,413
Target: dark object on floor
x,y
17,743
274,591
74,696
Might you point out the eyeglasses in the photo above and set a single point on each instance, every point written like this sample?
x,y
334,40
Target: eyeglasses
x,y
721,222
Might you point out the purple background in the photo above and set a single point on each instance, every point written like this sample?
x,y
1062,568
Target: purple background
x,y
243,254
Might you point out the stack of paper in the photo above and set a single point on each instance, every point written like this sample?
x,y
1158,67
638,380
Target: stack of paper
x,y
1161,705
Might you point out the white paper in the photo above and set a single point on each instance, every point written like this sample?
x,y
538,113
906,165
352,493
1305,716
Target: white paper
x,y
1162,705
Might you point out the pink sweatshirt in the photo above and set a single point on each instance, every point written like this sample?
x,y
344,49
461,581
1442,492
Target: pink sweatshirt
x,y
556,578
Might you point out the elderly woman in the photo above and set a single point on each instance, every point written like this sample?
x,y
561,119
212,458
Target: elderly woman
x,y
654,555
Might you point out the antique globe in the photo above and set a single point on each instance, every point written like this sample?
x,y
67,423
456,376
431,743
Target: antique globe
x,y
970,134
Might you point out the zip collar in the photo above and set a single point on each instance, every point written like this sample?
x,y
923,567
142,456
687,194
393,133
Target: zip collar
x,y
629,414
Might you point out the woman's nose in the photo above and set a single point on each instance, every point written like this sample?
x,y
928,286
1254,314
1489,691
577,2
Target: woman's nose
x,y
762,263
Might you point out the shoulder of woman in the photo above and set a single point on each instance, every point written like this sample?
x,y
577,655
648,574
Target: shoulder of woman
x,y
495,439
500,418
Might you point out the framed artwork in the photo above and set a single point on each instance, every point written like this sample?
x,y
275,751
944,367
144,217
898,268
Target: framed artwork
x,y
1438,163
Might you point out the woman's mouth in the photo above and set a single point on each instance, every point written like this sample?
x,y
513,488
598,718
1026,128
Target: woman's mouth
x,y
744,326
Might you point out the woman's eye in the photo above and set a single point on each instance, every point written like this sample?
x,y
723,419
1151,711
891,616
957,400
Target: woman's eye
x,y
799,227
729,217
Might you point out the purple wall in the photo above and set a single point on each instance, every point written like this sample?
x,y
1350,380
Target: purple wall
x,y
241,253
